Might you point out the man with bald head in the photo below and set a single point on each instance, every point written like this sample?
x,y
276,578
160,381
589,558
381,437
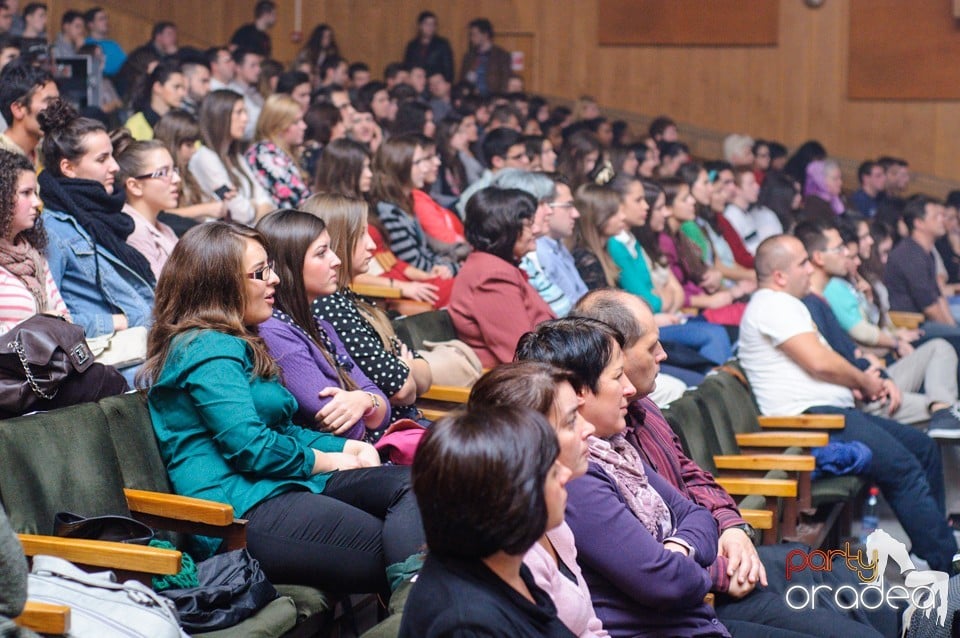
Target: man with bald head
x,y
792,370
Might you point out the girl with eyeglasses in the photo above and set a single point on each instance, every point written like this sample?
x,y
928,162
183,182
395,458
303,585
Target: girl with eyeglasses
x,y
321,510
152,184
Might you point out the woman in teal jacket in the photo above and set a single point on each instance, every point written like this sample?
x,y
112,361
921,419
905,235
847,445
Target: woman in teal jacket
x,y
321,510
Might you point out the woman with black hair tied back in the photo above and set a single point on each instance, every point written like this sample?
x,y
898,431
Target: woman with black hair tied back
x,y
161,91
106,283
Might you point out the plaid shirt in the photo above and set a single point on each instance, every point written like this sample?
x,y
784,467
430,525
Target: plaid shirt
x,y
660,448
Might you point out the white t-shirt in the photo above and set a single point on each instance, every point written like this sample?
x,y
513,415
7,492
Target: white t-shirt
x,y
780,385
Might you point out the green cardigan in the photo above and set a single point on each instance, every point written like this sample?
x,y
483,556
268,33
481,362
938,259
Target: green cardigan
x,y
226,435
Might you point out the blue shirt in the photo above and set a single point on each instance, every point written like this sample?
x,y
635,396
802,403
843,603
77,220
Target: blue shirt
x,y
113,55
558,265
549,291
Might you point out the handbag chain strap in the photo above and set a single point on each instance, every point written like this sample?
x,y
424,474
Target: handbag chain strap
x,y
17,345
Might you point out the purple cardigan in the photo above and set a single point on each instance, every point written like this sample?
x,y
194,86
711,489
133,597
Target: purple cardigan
x,y
305,371
638,587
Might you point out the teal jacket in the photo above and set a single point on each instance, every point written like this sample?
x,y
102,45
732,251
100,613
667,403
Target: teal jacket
x,y
226,435
634,273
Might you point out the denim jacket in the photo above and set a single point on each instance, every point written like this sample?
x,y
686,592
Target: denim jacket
x,y
93,297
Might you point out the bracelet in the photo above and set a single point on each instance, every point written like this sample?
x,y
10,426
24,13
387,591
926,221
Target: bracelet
x,y
374,405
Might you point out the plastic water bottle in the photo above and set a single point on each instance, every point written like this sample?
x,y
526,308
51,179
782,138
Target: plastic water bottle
x,y
871,514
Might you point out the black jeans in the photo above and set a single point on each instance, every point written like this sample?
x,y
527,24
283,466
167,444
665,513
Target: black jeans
x,y
343,539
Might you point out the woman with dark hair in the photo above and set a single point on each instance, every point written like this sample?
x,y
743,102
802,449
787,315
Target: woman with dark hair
x,y
796,166
451,142
106,283
321,44
414,117
218,165
273,159
499,227
164,89
540,151
553,558
332,393
624,161
179,132
398,168
26,286
364,128
324,125
781,194
152,183
578,157
344,169
600,220
653,580
321,510
473,581
365,330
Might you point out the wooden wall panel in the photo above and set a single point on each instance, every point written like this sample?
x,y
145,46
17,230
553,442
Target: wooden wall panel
x,y
910,52
688,22
791,92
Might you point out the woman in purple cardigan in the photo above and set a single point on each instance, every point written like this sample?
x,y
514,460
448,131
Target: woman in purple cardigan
x,y
646,551
333,394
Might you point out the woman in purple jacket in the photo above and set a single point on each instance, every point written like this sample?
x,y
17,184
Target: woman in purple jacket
x,y
644,549
332,392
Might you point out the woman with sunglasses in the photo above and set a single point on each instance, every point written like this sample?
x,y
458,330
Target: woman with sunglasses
x,y
152,183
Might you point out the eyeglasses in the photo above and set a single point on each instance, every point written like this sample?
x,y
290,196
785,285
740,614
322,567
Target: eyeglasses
x,y
264,273
426,158
166,173
561,205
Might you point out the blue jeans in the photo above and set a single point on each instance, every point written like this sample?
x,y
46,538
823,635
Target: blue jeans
x,y
906,466
710,340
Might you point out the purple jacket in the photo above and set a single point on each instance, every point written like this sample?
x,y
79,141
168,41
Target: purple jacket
x,y
638,587
305,371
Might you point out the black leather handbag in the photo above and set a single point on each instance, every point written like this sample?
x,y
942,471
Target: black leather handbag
x,y
36,357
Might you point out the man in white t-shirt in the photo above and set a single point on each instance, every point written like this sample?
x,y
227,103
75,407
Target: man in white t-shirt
x,y
792,370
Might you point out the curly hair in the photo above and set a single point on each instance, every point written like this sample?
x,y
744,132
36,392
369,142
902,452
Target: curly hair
x,y
11,166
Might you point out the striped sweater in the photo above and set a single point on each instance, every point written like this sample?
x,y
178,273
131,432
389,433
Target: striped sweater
x,y
17,304
408,241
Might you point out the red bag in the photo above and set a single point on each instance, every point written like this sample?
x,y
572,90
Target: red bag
x,y
399,443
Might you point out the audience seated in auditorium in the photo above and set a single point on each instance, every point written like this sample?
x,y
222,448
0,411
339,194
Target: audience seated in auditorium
x,y
320,509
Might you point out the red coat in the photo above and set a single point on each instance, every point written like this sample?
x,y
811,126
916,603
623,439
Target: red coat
x,y
492,305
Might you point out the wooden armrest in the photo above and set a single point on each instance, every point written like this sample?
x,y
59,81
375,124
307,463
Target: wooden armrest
x,y
804,422
433,415
374,290
181,508
786,462
44,618
782,439
909,320
138,558
758,519
448,393
741,486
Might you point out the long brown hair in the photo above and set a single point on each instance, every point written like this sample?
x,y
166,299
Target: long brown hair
x,y
346,219
203,287
340,168
392,166
290,233
216,113
176,128
596,205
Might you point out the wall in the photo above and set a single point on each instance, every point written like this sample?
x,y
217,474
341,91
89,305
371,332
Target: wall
x,y
791,92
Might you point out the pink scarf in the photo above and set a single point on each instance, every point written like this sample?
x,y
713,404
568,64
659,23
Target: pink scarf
x,y
622,462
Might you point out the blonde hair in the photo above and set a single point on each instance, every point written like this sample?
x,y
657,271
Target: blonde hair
x,y
279,112
596,205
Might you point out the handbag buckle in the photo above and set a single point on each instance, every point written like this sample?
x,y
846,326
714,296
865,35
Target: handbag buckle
x,y
80,353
